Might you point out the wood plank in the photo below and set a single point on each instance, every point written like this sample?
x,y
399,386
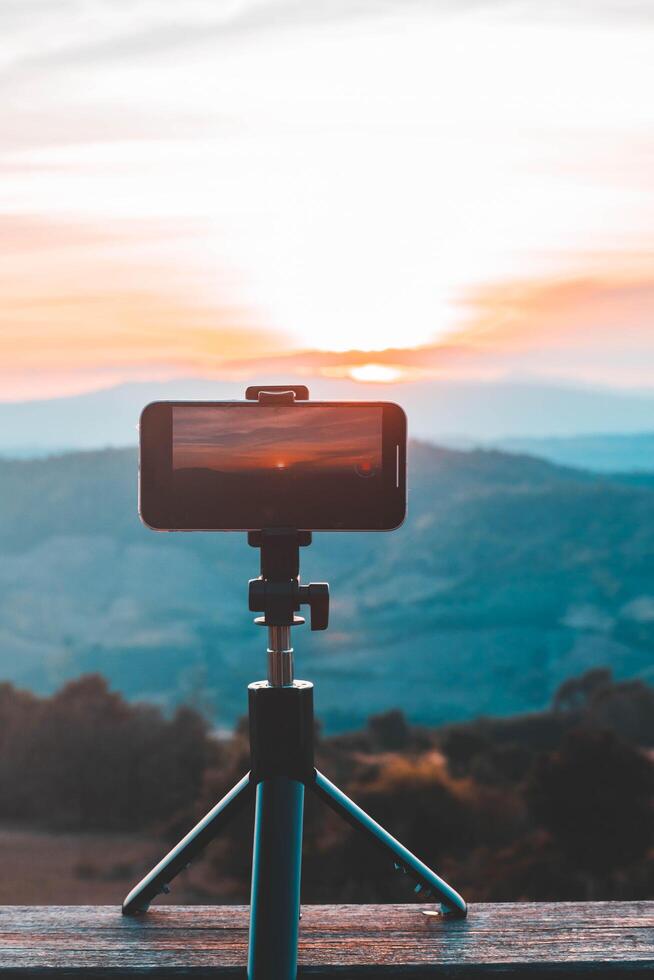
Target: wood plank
x,y
373,941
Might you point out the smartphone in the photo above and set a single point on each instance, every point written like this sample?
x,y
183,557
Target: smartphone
x,y
242,466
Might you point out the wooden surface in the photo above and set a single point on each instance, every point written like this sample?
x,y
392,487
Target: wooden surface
x,y
553,940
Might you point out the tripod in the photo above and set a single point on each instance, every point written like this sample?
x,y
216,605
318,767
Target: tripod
x,y
282,768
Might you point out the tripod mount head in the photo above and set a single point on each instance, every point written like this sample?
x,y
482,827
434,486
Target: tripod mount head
x,y
277,592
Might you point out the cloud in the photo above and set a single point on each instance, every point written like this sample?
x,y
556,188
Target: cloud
x,y
315,177
591,311
123,31
593,328
596,329
84,306
233,438
119,30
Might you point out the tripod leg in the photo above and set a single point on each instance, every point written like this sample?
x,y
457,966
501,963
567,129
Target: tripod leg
x,y
156,881
451,901
276,871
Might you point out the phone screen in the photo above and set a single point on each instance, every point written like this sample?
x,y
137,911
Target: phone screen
x,y
243,466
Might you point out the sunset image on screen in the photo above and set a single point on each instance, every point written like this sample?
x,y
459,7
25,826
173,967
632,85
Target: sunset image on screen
x,y
248,466
233,439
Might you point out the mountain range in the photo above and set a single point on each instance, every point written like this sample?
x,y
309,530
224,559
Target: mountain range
x,y
456,412
509,575
602,452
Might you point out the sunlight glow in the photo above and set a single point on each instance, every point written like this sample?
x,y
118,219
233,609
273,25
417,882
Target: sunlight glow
x,y
375,372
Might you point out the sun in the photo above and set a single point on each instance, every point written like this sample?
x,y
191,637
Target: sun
x,y
375,372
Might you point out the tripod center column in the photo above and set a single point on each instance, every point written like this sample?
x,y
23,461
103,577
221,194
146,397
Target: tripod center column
x,y
280,656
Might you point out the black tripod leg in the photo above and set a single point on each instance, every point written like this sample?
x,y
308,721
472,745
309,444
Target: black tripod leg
x,y
156,881
276,871
451,901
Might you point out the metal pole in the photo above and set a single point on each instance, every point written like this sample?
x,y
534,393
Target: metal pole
x,y
280,656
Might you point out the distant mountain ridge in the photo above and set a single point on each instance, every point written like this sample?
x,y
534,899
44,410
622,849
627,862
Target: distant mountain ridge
x,y
601,452
510,575
437,410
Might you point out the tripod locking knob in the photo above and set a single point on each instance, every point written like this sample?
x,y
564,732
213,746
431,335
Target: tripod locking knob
x,y
316,596
279,600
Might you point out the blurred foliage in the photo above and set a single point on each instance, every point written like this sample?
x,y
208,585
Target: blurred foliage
x,y
553,805
594,795
86,759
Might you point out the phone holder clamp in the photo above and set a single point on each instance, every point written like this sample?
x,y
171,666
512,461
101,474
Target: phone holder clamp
x,y
278,394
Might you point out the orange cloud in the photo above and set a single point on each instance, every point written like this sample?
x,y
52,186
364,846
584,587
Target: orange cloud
x,y
590,329
593,329
51,344
604,312
83,307
74,315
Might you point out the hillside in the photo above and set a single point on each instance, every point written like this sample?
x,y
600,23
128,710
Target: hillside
x,y
604,453
510,575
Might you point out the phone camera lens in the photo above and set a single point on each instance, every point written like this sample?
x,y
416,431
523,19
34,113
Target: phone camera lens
x,y
364,468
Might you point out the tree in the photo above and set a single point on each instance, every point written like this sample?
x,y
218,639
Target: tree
x,y
389,731
596,798
87,759
576,693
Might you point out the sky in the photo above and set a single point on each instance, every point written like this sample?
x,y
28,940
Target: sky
x,y
277,438
375,189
